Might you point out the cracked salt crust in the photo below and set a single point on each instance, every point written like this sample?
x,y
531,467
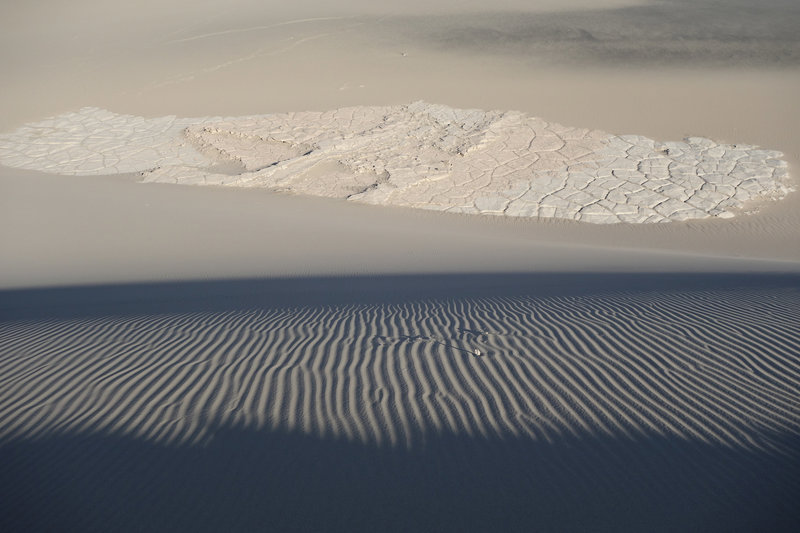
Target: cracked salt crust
x,y
418,155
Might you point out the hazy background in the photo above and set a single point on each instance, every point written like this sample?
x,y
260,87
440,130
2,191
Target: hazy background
x,y
246,56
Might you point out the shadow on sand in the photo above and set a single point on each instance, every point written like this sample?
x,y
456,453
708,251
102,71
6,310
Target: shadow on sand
x,y
223,295
270,481
246,479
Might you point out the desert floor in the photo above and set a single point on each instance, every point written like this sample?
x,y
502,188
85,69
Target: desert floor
x,y
207,358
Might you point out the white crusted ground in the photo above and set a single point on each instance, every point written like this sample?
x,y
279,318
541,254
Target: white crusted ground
x,y
419,155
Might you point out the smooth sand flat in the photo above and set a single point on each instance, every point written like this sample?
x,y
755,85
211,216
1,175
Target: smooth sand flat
x,y
182,358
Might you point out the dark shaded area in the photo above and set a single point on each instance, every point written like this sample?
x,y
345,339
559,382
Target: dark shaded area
x,y
222,295
679,32
248,480
267,481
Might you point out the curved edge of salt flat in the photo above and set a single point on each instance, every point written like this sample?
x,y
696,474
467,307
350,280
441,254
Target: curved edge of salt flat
x,y
419,155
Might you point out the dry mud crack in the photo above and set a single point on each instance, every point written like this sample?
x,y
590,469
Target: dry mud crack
x,y
419,155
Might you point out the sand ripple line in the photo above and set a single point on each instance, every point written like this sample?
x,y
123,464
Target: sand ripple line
x,y
419,155
612,366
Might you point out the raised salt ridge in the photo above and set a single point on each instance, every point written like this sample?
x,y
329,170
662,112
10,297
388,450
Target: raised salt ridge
x,y
419,155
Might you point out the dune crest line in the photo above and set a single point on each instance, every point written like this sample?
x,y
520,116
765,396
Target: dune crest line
x,y
418,155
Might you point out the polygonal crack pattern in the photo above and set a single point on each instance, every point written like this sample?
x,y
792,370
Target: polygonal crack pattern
x,y
419,155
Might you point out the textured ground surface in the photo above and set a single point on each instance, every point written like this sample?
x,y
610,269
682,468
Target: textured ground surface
x,y
597,403
420,155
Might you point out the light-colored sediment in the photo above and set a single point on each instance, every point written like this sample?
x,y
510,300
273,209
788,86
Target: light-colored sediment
x,y
419,155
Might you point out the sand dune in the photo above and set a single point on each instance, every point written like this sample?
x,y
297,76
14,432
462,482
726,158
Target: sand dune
x,y
456,372
708,360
